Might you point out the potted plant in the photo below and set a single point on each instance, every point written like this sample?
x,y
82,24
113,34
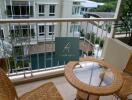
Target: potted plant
x,y
124,23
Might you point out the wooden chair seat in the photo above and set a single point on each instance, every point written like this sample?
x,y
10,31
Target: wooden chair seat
x,y
46,91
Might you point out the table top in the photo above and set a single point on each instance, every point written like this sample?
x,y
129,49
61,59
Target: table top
x,y
93,76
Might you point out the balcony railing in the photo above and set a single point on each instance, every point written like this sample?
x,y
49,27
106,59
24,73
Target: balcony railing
x,y
27,53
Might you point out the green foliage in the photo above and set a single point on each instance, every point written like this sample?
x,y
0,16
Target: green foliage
x,y
14,34
12,62
19,33
104,1
109,6
101,43
108,27
126,8
125,19
18,63
90,53
18,60
18,50
94,39
87,36
91,37
33,34
97,40
82,33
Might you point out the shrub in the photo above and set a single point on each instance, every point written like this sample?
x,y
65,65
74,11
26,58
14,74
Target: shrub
x,y
110,6
94,39
90,53
101,43
82,33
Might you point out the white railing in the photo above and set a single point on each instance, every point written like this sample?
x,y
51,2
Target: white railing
x,y
33,51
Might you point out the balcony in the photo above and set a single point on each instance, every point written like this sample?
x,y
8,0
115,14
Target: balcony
x,y
28,48
33,57
33,53
20,9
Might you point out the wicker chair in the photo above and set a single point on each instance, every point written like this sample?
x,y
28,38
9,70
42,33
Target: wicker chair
x,y
47,91
127,85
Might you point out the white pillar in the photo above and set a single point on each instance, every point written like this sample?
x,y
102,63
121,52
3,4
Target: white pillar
x,y
116,16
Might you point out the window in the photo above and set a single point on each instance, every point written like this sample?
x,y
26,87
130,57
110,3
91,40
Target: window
x,y
51,10
41,30
20,9
74,28
9,11
76,8
76,3
51,29
41,10
22,31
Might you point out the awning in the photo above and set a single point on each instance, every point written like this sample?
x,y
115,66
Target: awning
x,y
48,3
91,4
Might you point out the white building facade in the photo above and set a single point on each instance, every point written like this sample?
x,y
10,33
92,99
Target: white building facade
x,y
40,9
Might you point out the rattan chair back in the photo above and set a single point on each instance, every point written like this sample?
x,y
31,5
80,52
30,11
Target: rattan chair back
x,y
128,67
6,87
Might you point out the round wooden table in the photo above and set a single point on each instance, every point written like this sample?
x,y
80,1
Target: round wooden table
x,y
93,78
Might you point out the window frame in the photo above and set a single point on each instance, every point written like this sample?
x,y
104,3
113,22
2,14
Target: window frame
x,y
17,13
52,13
51,30
42,11
76,8
41,30
26,30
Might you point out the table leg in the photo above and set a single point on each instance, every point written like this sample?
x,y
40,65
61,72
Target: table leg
x,y
84,96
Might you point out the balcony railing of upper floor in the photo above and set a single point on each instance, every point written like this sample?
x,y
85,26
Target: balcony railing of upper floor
x,y
28,45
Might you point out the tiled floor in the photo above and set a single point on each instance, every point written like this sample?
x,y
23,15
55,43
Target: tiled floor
x,y
65,89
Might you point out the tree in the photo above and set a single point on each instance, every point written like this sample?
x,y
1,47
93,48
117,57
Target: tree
x,y
109,6
125,19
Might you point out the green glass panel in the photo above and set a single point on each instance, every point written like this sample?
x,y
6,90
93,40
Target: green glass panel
x,y
66,49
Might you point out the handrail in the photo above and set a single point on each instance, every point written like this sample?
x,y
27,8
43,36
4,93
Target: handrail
x,y
3,21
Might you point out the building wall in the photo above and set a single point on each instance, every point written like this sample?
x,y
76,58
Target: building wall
x,y
57,4
63,9
3,9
